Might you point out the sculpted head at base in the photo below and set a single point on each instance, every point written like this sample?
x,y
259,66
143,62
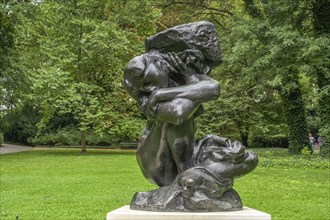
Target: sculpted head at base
x,y
207,185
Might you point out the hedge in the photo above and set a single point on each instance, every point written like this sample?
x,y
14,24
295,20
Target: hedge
x,y
1,138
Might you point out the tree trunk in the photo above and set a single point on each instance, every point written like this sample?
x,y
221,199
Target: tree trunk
x,y
251,8
322,28
244,137
324,106
83,142
294,109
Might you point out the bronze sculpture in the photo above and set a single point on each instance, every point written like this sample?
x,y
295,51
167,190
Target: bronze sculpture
x,y
170,83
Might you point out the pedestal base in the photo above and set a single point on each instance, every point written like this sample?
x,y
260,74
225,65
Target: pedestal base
x,y
125,213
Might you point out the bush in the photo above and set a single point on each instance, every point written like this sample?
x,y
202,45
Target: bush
x,y
1,138
280,158
104,140
325,135
270,141
21,124
70,136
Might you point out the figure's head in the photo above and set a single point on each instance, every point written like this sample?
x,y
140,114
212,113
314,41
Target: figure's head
x,y
145,73
199,180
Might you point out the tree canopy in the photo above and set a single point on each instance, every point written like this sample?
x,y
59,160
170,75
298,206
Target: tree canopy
x,y
64,61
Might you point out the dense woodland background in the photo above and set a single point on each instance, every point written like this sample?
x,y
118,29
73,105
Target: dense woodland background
x,y
61,66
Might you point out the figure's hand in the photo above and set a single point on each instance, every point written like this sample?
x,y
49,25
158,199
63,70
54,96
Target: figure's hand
x,y
150,105
174,63
154,98
150,112
193,55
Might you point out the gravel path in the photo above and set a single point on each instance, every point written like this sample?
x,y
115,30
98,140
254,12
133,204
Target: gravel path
x,y
10,148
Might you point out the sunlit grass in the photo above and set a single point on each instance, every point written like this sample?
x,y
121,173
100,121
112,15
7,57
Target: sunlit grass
x,y
63,184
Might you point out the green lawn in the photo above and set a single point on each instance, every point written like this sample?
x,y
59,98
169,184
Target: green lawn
x,y
62,184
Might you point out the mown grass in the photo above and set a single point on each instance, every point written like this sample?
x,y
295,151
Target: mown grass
x,y
63,184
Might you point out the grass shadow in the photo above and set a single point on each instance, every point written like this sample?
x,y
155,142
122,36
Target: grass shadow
x,y
77,152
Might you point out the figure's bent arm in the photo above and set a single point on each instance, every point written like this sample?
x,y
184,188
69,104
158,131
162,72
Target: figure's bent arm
x,y
176,105
205,90
176,111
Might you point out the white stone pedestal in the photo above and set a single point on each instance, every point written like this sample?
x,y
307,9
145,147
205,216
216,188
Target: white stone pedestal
x,y
125,213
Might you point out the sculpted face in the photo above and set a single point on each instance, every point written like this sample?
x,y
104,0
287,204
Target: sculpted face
x,y
199,182
156,75
145,73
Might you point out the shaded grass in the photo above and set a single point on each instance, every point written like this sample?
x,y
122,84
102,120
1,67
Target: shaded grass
x,y
63,184
287,193
279,158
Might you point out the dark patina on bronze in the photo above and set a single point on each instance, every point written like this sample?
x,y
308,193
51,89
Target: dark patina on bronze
x,y
170,82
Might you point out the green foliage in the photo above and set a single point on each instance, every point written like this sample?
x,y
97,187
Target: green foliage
x,y
306,151
7,37
73,53
128,130
70,136
13,82
20,124
1,138
269,55
279,158
81,75
67,57
325,135
295,114
324,109
259,52
62,137
321,27
269,141
216,11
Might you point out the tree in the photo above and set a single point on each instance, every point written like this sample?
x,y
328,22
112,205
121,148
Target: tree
x,y
216,11
282,56
268,46
11,81
14,83
321,23
248,101
83,47
6,48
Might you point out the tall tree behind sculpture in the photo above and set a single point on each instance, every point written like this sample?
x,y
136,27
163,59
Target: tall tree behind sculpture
x,y
322,29
251,45
74,53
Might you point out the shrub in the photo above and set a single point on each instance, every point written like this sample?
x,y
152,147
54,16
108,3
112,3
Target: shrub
x,y
280,158
270,141
325,135
62,137
20,124
1,138
70,136
104,140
